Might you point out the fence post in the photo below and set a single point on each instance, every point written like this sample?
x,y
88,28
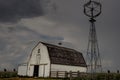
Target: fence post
x,y
57,74
108,75
66,74
118,72
78,74
70,75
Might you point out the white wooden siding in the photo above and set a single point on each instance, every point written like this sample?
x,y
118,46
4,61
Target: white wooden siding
x,y
56,67
30,71
44,63
22,70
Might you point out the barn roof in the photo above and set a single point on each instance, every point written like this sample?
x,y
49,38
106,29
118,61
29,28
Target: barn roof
x,y
65,56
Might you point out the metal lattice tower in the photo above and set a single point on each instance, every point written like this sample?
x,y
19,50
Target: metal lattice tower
x,y
92,9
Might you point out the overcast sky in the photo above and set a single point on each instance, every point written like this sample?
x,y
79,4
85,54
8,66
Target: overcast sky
x,y
25,22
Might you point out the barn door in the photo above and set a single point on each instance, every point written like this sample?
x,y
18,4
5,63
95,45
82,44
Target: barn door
x,y
36,71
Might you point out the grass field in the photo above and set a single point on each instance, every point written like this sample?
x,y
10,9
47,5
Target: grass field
x,y
16,78
100,76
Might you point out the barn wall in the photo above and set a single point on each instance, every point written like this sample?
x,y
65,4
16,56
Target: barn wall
x,y
55,67
22,70
30,71
44,62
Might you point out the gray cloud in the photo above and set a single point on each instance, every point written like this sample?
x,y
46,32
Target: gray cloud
x,y
13,10
76,32
16,43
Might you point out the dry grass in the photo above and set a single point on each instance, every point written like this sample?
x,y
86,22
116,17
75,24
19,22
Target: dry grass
x,y
26,79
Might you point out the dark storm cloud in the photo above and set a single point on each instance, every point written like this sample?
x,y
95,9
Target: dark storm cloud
x,y
14,10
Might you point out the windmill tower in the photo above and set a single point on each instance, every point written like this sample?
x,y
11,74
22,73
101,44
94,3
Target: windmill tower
x,y
92,9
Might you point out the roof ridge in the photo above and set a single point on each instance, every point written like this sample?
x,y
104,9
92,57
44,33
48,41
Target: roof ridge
x,y
53,45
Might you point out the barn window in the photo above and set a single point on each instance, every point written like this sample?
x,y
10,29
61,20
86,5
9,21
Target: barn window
x,y
38,50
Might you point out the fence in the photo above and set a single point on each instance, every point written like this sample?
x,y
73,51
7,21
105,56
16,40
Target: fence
x,y
65,74
85,76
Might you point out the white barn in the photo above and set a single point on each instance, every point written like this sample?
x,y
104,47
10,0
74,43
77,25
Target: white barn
x,y
46,57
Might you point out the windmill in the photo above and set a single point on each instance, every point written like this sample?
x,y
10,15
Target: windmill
x,y
92,9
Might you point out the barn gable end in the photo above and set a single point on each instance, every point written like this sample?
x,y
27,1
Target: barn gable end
x,y
39,57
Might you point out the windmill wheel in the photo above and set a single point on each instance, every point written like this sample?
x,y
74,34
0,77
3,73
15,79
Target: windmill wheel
x,y
92,9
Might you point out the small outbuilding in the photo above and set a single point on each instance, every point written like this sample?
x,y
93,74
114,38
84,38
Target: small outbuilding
x,y
46,58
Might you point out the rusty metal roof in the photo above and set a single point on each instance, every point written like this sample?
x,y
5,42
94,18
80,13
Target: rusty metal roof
x,y
65,56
